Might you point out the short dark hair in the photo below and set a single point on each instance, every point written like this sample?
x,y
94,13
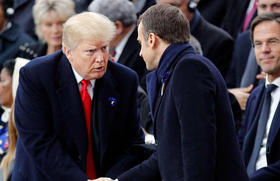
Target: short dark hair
x,y
9,65
270,16
167,22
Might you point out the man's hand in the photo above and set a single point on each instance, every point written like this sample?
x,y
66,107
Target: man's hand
x,y
242,94
101,179
261,75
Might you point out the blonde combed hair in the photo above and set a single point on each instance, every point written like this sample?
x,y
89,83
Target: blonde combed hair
x,y
64,8
87,26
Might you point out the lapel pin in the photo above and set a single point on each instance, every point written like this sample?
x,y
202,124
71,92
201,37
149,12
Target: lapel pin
x,y
112,101
163,81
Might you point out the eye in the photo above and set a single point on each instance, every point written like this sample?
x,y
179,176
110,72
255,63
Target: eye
x,y
273,42
90,51
104,48
276,6
262,6
258,44
48,24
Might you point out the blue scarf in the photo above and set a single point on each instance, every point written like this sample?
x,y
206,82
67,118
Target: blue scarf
x,y
161,74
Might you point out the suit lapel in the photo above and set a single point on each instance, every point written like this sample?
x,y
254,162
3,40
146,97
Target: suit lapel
x,y
129,49
106,99
249,139
70,102
274,127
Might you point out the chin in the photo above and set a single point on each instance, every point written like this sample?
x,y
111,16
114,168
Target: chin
x,y
97,75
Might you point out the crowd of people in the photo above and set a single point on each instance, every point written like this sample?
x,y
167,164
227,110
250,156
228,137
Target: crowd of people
x,y
140,90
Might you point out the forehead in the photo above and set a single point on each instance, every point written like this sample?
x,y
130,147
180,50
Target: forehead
x,y
172,2
267,29
91,44
268,1
52,16
140,30
4,73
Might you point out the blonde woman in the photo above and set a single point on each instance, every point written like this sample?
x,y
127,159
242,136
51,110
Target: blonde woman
x,y
49,17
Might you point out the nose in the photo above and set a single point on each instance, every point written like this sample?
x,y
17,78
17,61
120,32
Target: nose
x,y
56,28
99,57
266,47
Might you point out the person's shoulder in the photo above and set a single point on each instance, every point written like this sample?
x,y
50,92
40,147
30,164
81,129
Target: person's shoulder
x,y
195,59
243,36
256,91
44,63
31,50
119,70
193,63
196,64
20,34
215,31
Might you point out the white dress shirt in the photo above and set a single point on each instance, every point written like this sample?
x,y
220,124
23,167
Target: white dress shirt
x,y
119,48
275,97
79,78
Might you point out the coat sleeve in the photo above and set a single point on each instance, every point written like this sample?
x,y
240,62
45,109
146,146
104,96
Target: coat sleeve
x,y
147,170
34,123
193,92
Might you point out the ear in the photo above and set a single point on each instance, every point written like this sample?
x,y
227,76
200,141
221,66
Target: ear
x,y
152,40
67,53
119,27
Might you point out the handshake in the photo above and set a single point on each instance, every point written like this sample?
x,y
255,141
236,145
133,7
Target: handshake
x,y
103,179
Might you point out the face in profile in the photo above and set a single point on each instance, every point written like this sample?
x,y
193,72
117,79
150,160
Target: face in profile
x,y
146,52
51,28
267,47
89,58
6,97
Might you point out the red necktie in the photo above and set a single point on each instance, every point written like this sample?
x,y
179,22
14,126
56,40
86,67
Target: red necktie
x,y
90,169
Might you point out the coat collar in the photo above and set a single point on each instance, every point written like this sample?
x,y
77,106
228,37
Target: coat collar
x,y
106,97
70,102
161,74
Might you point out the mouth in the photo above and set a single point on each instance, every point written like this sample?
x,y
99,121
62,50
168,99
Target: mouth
x,y
99,69
56,38
266,58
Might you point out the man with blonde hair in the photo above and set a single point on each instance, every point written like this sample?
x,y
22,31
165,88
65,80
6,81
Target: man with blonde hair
x,y
76,111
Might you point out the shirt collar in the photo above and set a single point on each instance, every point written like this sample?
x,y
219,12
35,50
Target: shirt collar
x,y
275,82
79,78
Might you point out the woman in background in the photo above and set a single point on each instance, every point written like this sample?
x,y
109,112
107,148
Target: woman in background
x,y
6,101
12,67
49,17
